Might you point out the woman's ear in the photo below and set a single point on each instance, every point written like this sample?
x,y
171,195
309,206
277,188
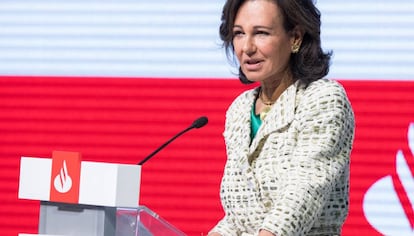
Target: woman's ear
x,y
296,35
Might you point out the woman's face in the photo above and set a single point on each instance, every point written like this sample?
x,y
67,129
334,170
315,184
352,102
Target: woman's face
x,y
261,44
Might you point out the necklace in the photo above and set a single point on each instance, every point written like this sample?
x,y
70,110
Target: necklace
x,y
285,82
266,109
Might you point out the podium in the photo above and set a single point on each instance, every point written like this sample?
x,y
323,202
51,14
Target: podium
x,y
80,198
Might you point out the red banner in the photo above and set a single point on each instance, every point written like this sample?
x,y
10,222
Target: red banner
x,y
123,120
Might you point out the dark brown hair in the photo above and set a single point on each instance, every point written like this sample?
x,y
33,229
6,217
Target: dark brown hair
x,y
310,63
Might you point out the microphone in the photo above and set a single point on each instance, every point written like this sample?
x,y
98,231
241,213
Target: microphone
x,y
200,122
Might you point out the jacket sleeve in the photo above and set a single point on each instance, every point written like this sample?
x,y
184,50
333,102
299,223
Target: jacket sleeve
x,y
325,127
226,226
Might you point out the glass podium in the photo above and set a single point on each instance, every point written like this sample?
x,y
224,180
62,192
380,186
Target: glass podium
x,y
143,222
84,220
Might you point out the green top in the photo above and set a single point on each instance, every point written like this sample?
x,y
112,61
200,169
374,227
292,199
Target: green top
x,y
255,122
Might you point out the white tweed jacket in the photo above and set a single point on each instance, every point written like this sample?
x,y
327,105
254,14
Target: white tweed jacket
x,y
293,177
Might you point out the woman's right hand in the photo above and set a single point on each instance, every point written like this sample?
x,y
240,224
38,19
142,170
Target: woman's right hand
x,y
214,234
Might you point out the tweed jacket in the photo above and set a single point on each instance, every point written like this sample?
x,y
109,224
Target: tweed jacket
x,y
293,177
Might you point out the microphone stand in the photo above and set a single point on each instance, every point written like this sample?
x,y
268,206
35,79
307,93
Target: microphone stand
x,y
200,122
164,145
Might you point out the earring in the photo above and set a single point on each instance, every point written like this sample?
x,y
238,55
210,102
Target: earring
x,y
295,48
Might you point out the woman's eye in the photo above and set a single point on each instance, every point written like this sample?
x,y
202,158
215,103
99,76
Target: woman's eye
x,y
237,33
262,32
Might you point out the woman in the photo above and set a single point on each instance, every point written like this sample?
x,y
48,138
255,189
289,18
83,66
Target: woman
x,y
289,140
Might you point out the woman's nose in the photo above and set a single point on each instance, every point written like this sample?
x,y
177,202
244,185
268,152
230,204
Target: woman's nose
x,y
249,46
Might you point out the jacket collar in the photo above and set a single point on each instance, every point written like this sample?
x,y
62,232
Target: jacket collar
x,y
280,115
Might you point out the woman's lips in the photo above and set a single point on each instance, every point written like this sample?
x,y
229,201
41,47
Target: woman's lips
x,y
252,64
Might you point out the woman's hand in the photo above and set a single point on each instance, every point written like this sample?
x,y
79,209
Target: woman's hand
x,y
214,234
265,233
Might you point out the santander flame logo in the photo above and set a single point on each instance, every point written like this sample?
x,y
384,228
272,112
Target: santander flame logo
x,y
63,182
389,203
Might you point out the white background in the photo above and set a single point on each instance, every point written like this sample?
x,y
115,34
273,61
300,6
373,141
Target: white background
x,y
371,39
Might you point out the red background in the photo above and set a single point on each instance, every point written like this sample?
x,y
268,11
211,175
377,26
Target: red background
x,y
123,120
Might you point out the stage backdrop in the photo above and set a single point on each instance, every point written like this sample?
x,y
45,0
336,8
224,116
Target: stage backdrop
x,y
116,79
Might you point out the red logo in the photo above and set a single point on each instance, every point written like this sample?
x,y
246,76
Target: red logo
x,y
65,181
